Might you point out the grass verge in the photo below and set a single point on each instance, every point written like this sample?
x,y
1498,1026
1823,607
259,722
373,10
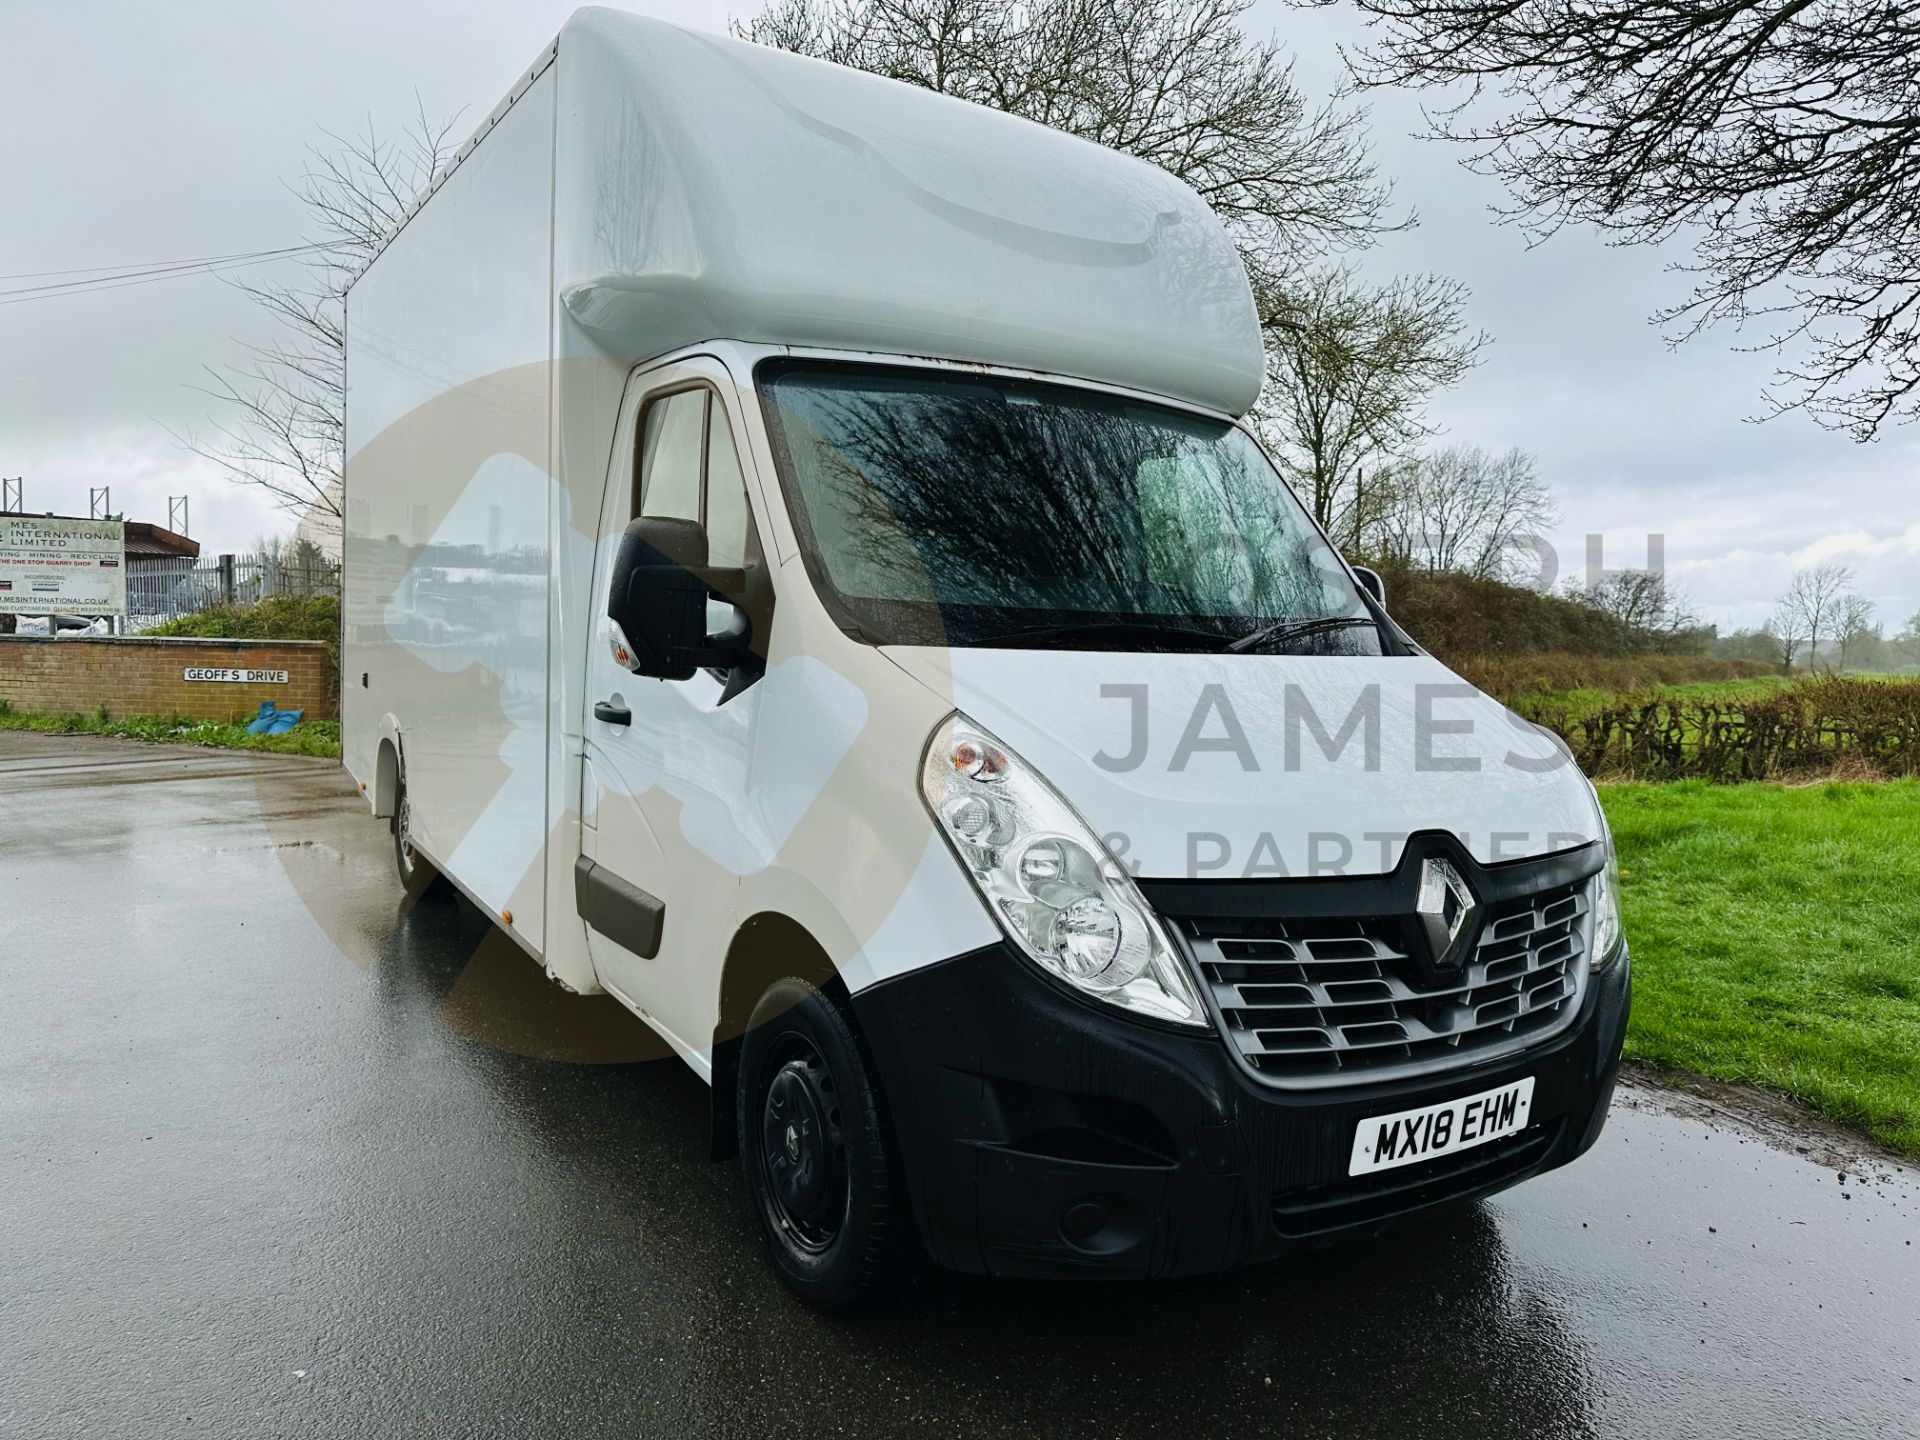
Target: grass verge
x,y
1776,941
310,737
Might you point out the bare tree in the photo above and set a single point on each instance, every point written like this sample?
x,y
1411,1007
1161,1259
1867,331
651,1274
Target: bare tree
x,y
1809,610
1349,369
283,430
1788,629
1463,510
1904,648
1782,135
1650,609
1180,84
1854,627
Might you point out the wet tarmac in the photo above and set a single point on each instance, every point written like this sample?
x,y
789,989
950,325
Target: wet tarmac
x,y
279,1157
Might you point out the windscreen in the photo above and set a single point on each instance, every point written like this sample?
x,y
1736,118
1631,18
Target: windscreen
x,y
944,508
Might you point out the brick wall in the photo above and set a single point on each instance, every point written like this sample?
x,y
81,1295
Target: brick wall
x,y
141,675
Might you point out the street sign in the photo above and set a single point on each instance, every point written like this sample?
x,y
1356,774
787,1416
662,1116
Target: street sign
x,y
234,677
62,567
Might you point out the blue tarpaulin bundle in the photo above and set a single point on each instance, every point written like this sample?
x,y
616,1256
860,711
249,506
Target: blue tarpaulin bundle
x,y
272,720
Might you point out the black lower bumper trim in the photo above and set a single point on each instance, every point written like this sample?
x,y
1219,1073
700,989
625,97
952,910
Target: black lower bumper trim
x,y
1330,1209
1044,1133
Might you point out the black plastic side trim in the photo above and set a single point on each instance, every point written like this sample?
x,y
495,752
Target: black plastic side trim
x,y
618,909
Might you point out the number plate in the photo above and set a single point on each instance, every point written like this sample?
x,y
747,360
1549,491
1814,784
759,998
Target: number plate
x,y
1387,1141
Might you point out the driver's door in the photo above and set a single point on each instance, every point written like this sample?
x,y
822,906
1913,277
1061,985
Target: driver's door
x,y
666,760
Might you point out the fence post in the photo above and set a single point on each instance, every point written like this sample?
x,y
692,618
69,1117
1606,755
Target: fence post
x,y
226,579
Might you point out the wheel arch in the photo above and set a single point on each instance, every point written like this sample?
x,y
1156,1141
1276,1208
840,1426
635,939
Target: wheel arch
x,y
387,768
768,946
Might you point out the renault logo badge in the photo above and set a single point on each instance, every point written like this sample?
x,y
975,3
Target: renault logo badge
x,y
1447,910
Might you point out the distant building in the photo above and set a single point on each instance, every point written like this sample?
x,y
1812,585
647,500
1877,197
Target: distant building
x,y
147,544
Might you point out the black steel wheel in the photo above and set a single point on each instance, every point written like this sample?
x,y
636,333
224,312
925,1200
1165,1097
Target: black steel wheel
x,y
418,877
817,1157
804,1146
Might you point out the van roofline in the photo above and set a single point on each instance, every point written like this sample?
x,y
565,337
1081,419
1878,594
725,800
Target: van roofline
x,y
762,350
542,63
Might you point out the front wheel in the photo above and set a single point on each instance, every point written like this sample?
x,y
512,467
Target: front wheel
x,y
815,1151
418,877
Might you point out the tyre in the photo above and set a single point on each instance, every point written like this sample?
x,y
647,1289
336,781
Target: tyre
x,y
418,877
814,1145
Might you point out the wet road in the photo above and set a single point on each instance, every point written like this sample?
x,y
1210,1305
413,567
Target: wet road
x,y
278,1159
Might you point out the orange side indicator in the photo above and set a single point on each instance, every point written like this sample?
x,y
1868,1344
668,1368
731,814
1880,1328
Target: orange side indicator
x,y
506,917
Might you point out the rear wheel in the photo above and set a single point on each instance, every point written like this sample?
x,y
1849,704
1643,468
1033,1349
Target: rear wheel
x,y
816,1154
418,877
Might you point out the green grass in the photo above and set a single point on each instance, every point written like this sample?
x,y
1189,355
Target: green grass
x,y
310,737
1776,941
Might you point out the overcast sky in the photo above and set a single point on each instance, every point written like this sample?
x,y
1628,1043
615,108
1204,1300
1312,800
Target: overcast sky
x,y
138,132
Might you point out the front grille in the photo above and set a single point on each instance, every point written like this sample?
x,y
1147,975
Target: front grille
x,y
1319,1002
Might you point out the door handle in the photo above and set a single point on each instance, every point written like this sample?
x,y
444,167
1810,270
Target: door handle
x,y
611,713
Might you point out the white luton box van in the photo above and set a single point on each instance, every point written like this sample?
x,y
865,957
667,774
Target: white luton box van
x,y
806,576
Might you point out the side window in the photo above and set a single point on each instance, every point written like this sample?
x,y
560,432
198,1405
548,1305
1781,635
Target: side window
x,y
670,455
689,469
726,496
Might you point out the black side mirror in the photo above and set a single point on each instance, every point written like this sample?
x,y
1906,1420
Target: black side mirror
x,y
658,598
1371,582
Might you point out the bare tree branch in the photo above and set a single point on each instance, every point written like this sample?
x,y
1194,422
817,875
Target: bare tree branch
x,y
1349,368
1810,610
1651,611
283,409
1463,510
1782,136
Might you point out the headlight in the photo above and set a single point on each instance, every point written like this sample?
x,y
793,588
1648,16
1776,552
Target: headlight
x,y
1054,888
1607,934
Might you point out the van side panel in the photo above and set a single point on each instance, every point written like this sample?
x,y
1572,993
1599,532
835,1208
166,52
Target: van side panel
x,y
449,509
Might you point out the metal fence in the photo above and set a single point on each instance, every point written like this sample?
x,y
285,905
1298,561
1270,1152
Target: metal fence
x,y
161,588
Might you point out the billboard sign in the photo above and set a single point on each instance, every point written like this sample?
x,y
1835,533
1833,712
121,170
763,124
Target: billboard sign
x,y
50,566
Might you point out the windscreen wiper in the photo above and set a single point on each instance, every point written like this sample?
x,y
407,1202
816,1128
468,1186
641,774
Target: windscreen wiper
x,y
1284,630
1086,630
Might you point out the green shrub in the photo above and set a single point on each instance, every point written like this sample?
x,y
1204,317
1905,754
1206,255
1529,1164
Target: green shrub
x,y
1826,726
1459,617
278,617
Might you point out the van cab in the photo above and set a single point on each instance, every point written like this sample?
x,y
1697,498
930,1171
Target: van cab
x,y
808,575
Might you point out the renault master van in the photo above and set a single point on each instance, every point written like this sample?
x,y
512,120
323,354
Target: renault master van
x,y
808,577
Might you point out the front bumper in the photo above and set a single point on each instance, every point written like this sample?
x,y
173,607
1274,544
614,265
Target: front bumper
x,y
1047,1134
